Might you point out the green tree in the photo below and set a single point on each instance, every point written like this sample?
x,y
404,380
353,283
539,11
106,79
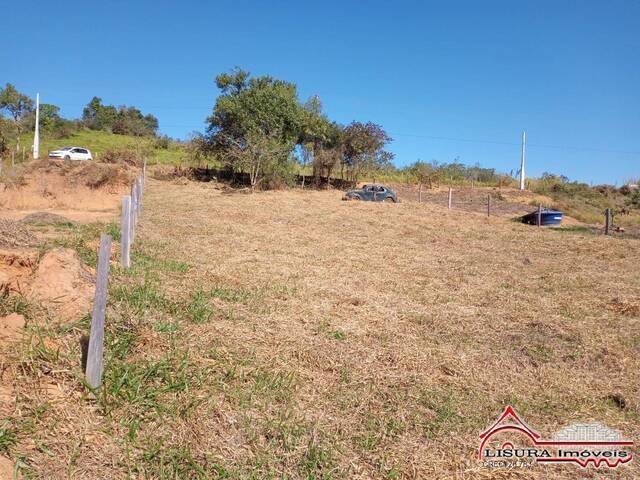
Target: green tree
x,y
260,115
424,174
363,149
17,105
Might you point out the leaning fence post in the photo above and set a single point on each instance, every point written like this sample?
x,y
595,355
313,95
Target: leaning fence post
x,y
539,216
488,205
449,202
125,232
607,221
96,337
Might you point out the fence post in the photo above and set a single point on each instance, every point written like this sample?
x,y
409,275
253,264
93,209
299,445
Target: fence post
x,y
607,221
96,337
539,222
420,193
144,171
125,232
488,205
132,215
449,202
138,187
13,159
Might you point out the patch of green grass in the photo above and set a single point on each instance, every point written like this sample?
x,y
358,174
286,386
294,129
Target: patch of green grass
x,y
17,304
142,261
174,462
142,297
8,437
197,310
443,404
143,386
317,462
338,334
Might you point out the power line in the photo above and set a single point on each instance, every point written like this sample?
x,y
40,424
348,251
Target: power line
x,y
537,145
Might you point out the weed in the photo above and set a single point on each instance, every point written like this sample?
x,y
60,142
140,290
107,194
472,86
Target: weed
x,y
8,437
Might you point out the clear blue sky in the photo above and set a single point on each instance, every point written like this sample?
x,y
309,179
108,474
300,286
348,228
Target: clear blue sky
x,y
445,79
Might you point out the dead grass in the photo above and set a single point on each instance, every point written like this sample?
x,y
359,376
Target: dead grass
x,y
290,334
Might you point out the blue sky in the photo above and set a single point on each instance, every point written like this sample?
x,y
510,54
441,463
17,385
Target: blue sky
x,y
445,79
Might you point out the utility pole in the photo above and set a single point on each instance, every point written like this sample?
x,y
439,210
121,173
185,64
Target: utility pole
x,y
36,135
524,140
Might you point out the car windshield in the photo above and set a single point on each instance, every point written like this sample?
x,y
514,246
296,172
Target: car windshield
x,y
66,148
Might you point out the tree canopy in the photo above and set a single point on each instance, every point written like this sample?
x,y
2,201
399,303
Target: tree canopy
x,y
265,111
122,120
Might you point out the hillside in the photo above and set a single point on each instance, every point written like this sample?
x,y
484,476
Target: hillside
x,y
99,141
293,335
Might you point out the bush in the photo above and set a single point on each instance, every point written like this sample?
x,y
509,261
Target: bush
x,y
121,157
163,142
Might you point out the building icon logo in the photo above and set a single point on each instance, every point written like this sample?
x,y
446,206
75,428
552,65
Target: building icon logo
x,y
510,442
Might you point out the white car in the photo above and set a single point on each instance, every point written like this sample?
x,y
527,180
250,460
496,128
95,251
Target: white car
x,y
71,153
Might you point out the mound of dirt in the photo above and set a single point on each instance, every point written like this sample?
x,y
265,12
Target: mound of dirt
x,y
97,175
6,468
14,234
11,327
62,283
92,174
121,157
46,218
16,266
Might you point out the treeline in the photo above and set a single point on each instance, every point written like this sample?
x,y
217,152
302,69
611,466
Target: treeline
x,y
260,127
121,121
17,116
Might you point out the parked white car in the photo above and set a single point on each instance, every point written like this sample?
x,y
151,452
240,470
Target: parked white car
x,y
71,153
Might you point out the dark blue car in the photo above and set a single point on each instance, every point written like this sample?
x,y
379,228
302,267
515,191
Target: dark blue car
x,y
372,192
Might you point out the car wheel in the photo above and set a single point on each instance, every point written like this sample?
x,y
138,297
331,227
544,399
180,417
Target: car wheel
x,y
388,200
67,157
355,197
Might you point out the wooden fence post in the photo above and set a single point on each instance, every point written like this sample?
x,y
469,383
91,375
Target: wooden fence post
x,y
96,337
539,219
449,202
488,205
607,221
125,232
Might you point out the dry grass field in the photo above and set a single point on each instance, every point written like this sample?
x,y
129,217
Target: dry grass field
x,y
293,335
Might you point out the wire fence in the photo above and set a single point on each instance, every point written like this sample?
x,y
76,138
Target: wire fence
x,y
130,213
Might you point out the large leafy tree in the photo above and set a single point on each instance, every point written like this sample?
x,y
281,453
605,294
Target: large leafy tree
x,y
363,149
320,139
258,106
255,123
17,105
